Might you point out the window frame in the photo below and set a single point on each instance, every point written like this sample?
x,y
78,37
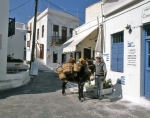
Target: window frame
x,y
117,38
55,34
38,34
55,61
42,31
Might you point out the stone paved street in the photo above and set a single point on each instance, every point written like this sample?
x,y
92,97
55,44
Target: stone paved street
x,y
42,98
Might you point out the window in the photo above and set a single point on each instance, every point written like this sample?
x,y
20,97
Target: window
x,y
28,43
54,58
37,34
24,37
148,31
55,30
71,32
31,27
30,30
117,53
43,31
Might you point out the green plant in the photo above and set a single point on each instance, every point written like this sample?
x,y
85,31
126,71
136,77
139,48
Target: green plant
x,y
11,59
107,84
89,82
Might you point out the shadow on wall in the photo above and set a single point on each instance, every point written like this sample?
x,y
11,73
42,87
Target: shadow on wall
x,y
117,91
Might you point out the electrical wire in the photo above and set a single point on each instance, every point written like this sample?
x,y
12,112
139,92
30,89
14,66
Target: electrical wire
x,y
19,6
62,9
76,11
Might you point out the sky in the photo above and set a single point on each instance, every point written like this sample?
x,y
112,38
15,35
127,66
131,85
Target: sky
x,y
26,12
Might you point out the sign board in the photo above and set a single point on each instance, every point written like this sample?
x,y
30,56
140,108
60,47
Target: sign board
x,y
106,56
34,69
121,80
131,57
0,41
146,15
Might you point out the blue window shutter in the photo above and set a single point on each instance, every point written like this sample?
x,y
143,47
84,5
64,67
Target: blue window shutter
x,y
120,57
114,63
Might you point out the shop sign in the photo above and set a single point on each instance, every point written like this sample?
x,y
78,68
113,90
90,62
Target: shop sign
x,y
131,57
106,56
146,15
121,80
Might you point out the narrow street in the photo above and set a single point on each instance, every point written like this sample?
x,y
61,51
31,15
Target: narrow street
x,y
42,98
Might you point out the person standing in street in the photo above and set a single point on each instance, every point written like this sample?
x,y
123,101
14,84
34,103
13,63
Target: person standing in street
x,y
100,75
58,65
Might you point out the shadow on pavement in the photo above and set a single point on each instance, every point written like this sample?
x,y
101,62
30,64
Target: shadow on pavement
x,y
43,83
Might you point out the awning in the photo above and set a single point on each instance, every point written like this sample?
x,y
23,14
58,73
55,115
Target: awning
x,y
78,38
60,49
99,48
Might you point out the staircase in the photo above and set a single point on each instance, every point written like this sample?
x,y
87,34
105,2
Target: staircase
x,y
41,65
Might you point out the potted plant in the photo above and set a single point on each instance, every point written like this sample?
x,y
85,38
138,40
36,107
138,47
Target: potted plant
x,y
107,87
89,86
11,62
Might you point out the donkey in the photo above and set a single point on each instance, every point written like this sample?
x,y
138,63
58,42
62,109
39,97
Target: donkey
x,y
81,77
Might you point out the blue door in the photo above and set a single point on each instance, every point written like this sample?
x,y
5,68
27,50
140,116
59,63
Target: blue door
x,y
117,53
147,63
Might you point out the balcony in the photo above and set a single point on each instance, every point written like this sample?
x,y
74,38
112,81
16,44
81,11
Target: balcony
x,y
58,40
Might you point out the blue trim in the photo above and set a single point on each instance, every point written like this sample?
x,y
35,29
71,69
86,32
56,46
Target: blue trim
x,y
143,64
144,38
117,52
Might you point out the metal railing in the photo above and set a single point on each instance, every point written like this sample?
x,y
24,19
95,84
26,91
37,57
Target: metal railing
x,y
59,39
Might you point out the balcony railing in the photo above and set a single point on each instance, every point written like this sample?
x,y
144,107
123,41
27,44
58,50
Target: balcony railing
x,y
59,40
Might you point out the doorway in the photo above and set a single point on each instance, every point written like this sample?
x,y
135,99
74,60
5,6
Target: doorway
x,y
87,53
64,34
63,58
77,56
147,61
42,51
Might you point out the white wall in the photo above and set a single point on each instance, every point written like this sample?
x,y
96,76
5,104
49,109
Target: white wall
x,y
15,80
113,5
132,74
93,11
4,10
48,18
16,44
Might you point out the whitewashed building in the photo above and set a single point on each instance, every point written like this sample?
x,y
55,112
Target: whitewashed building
x,y
8,81
83,42
124,37
16,43
4,11
53,29
127,45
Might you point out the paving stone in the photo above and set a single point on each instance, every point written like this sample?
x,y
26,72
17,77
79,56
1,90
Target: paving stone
x,y
42,98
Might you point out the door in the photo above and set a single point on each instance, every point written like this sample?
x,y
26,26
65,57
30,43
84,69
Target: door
x,y
87,53
77,56
117,52
64,34
42,51
147,63
63,58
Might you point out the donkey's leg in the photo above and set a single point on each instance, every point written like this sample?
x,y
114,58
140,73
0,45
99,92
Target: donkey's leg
x,y
63,88
79,86
82,97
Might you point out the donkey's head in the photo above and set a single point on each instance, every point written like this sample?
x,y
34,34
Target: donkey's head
x,y
90,66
